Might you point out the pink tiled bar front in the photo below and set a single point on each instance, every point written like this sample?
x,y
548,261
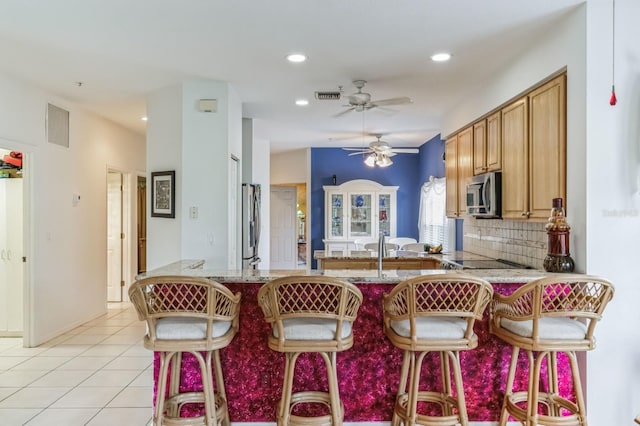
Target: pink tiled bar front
x,y
368,372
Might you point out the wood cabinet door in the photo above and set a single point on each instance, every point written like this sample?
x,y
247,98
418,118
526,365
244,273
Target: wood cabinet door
x,y
547,146
480,147
494,142
451,175
465,167
515,164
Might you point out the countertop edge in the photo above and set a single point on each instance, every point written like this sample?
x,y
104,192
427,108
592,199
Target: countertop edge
x,y
197,267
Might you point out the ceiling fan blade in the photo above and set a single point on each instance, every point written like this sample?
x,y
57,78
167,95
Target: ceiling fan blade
x,y
340,114
392,101
405,150
358,153
356,149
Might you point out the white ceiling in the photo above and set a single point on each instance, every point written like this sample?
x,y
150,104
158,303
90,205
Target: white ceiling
x,y
121,50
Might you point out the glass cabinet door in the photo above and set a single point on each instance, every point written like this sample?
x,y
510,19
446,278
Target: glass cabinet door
x,y
337,206
384,214
361,220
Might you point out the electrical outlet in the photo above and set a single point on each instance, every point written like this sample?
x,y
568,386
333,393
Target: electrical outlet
x,y
193,212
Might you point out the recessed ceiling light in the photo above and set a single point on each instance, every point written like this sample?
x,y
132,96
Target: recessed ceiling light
x,y
441,57
143,118
302,102
296,57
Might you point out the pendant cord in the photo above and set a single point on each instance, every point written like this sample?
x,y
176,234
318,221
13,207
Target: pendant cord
x,y
613,100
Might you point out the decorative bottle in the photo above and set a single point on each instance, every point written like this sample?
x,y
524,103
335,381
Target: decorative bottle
x,y
558,257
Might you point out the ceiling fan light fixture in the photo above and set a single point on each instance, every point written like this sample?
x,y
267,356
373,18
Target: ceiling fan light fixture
x,y
370,160
384,161
441,57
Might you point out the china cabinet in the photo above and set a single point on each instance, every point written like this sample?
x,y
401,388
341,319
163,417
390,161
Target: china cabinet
x,y
358,210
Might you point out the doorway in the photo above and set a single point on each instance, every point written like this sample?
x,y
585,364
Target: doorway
x,y
142,224
117,214
283,250
12,246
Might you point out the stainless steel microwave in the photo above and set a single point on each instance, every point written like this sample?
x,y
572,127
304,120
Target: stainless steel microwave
x,y
484,195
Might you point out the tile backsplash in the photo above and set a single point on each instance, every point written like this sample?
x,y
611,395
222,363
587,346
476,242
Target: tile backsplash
x,y
517,241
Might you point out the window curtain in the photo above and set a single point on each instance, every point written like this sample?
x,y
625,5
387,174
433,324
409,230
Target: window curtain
x,y
432,219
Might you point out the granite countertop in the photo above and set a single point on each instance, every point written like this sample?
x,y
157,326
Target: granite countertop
x,y
198,268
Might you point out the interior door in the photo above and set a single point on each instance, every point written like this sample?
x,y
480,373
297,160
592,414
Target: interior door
x,y
142,224
114,236
284,251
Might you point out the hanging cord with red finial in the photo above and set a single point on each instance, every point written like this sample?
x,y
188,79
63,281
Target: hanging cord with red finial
x,y
613,100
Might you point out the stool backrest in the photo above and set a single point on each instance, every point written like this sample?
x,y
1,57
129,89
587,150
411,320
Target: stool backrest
x,y
442,295
161,297
579,297
299,297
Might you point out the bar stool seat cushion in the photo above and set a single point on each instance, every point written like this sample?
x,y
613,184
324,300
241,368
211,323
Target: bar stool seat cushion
x,y
548,328
432,328
189,328
312,329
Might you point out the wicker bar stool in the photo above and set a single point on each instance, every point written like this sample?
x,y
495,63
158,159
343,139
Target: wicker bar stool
x,y
433,313
544,317
194,315
310,314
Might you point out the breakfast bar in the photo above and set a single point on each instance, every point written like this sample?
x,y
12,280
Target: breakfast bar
x,y
369,371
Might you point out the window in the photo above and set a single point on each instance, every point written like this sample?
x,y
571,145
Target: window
x,y
434,226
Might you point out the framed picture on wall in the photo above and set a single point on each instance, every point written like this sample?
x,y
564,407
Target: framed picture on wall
x,y
163,194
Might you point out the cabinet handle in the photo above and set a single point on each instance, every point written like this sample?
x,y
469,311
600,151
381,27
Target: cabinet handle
x,y
527,214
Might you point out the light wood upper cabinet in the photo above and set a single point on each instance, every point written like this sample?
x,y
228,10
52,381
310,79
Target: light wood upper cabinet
x,y
458,169
494,142
487,144
451,175
547,146
515,140
480,147
465,167
534,150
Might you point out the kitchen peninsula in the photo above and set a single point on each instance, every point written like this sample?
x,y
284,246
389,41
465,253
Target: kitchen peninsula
x,y
369,371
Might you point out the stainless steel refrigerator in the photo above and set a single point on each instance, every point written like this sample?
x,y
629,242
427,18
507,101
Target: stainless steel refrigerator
x,y
250,225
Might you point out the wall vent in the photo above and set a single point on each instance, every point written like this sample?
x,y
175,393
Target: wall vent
x,y
328,96
57,125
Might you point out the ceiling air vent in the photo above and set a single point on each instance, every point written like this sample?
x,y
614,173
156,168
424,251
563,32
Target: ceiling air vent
x,y
328,96
57,125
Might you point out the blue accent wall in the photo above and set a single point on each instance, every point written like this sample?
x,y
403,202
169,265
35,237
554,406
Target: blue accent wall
x,y
408,172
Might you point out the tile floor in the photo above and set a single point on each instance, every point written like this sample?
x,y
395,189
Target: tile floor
x,y
96,374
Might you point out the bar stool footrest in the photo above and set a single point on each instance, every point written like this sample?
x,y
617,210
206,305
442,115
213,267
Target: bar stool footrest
x,y
550,400
312,397
192,398
446,402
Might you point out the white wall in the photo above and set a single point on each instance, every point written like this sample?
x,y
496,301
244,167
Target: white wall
x,y
261,167
197,145
289,167
612,208
68,245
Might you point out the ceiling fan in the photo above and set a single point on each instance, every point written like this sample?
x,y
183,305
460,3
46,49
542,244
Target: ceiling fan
x,y
379,151
361,101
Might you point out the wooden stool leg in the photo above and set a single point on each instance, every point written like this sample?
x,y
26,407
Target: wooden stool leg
x,y
165,357
220,388
412,403
207,387
577,387
287,386
402,388
457,376
552,381
445,371
334,393
504,414
535,365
